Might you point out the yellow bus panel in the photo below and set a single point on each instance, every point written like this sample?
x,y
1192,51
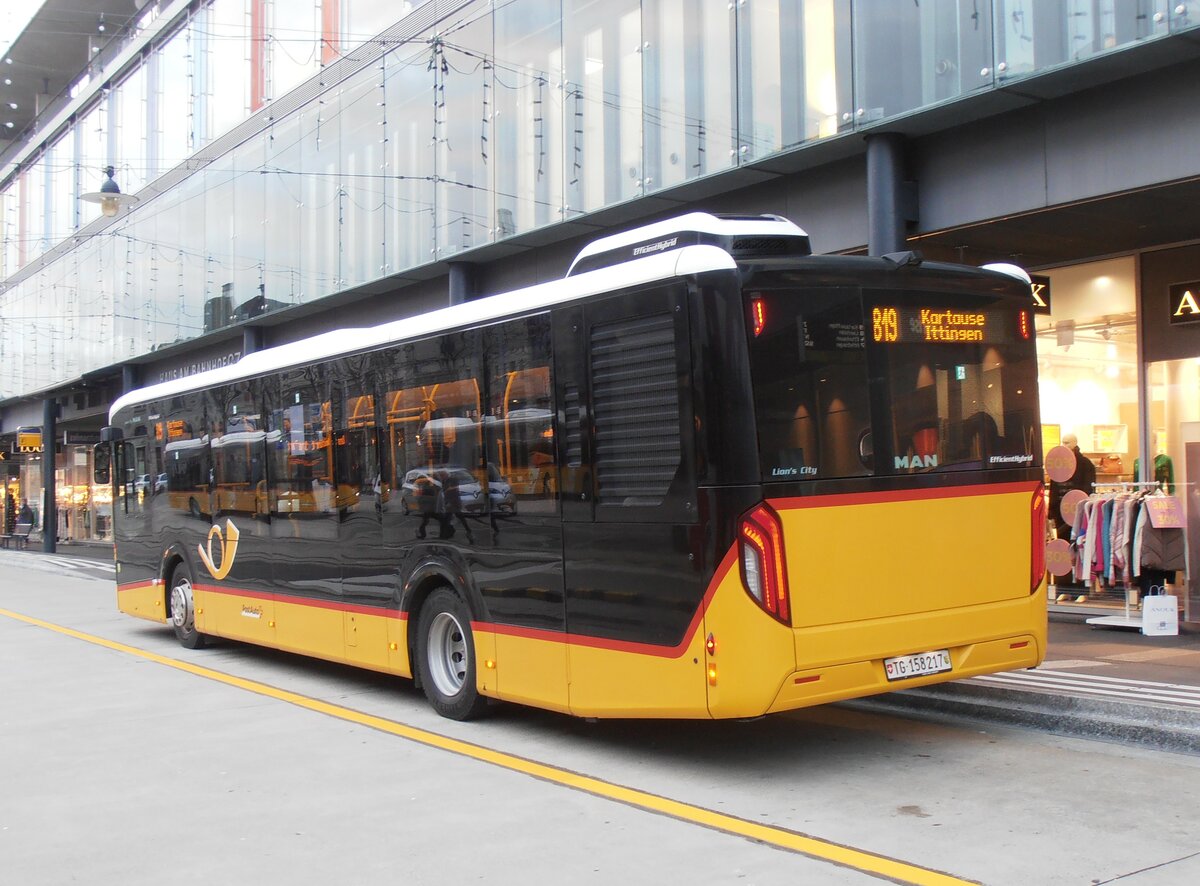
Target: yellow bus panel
x,y
614,679
530,669
145,599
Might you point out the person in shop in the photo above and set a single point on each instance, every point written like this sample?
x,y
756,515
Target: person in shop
x,y
26,515
1083,479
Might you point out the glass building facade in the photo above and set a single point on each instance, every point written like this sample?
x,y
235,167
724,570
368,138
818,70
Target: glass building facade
x,y
283,152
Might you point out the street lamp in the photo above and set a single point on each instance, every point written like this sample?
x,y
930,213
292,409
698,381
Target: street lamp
x,y
109,196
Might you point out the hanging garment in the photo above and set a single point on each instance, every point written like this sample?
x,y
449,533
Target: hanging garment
x,y
1162,548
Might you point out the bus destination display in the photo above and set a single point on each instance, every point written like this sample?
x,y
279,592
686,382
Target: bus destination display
x,y
910,325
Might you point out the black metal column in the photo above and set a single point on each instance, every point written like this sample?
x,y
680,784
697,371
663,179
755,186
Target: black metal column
x,y
130,377
49,504
888,195
462,282
252,339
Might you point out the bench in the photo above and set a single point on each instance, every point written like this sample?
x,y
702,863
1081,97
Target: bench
x,y
19,537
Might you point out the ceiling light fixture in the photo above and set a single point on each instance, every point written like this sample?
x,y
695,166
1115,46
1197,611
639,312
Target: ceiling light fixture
x,y
109,196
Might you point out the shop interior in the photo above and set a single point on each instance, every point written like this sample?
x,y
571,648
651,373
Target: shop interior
x,y
1087,353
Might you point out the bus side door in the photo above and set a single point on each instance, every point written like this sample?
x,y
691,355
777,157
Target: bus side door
x,y
634,582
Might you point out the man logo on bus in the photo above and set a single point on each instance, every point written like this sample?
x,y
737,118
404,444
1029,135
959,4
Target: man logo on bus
x,y
910,462
229,544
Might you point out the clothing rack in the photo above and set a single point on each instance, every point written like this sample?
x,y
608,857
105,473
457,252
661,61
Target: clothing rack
x,y
1129,619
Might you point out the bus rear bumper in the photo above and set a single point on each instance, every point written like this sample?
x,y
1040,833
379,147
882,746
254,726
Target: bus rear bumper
x,y
859,678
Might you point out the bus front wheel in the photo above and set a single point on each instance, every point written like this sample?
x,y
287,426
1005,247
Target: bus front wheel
x,y
446,657
183,610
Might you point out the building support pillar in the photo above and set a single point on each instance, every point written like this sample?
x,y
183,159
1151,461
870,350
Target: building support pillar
x,y
462,282
252,339
49,503
131,377
891,200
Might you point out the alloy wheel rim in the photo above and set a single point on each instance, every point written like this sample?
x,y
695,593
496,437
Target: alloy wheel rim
x,y
181,604
448,654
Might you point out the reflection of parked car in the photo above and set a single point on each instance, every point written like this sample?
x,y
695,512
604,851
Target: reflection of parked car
x,y
441,491
421,493
500,493
463,493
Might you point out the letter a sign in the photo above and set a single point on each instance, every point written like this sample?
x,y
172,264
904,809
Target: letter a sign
x,y
1185,302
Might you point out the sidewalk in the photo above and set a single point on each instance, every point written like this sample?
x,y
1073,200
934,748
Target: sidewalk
x,y
1105,683
94,550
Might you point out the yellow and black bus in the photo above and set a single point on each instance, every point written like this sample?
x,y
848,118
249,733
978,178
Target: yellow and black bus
x,y
706,474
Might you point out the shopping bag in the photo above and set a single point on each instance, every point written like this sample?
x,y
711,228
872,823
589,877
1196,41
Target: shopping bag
x,y
1160,615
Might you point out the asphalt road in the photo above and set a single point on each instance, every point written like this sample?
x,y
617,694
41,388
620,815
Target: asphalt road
x,y
126,759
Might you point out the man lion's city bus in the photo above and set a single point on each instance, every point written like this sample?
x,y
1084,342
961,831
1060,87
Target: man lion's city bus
x,y
706,474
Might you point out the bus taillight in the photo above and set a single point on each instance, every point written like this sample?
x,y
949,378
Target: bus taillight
x,y
764,571
758,308
1038,540
1026,329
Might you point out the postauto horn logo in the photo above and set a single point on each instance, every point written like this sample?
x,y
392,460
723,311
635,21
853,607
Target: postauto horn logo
x,y
229,544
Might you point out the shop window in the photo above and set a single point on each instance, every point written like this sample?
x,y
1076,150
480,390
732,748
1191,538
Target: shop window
x,y
1087,366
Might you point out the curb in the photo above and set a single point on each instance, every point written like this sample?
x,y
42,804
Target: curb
x,y
1157,726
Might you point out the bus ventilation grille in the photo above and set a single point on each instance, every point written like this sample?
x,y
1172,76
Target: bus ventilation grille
x,y
635,393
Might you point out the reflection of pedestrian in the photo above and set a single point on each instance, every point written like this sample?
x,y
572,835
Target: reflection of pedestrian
x,y
452,487
26,514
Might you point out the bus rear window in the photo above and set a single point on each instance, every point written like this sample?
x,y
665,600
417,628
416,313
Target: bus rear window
x,y
808,362
958,375
852,383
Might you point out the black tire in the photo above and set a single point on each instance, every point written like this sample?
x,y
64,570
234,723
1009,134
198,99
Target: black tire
x,y
181,609
446,657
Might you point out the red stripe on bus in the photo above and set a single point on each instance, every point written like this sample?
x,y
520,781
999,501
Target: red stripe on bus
x,y
275,597
136,585
898,495
727,563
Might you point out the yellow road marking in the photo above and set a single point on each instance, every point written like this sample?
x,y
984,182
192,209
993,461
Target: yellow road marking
x,y
779,837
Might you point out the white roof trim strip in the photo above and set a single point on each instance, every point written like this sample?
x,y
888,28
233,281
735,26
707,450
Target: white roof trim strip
x,y
662,266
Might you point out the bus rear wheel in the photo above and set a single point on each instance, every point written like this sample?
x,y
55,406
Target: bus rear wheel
x,y
183,610
446,657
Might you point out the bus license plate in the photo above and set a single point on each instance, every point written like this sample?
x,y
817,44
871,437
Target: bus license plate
x,y
923,663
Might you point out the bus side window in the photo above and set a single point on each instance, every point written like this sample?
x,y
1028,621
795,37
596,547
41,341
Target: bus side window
x,y
521,466
183,481
361,483
300,445
432,414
